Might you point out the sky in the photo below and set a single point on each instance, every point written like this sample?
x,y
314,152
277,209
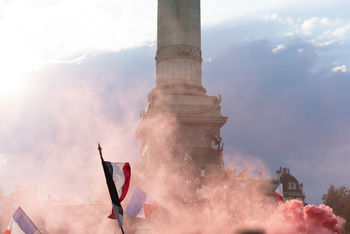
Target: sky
x,y
75,72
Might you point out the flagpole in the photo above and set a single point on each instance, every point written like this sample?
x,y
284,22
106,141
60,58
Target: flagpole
x,y
120,229
100,150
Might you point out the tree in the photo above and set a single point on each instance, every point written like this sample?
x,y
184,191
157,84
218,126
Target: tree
x,y
339,200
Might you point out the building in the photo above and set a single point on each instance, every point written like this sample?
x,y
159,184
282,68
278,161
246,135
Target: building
x,y
292,188
242,184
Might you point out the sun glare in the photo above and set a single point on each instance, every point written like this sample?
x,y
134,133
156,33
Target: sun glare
x,y
10,81
33,34
14,72
18,55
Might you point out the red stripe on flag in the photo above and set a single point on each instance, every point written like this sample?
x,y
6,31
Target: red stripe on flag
x,y
112,215
280,198
149,208
127,174
7,231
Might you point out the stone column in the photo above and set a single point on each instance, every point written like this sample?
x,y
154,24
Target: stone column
x,y
179,56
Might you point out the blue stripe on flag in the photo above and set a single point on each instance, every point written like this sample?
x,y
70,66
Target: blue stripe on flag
x,y
136,202
24,222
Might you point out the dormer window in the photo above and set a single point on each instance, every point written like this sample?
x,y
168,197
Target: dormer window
x,y
292,186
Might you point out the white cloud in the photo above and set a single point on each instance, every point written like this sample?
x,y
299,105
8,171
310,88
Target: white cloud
x,y
289,34
309,25
224,10
341,31
300,50
321,32
322,43
279,49
341,68
325,21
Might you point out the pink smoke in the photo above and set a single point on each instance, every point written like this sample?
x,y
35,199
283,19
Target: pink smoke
x,y
293,217
226,211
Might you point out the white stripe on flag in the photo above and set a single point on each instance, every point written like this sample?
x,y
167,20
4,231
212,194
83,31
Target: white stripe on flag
x,y
141,214
118,176
279,190
15,228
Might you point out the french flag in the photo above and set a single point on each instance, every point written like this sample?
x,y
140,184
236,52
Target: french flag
x,y
121,173
140,205
279,191
21,224
118,180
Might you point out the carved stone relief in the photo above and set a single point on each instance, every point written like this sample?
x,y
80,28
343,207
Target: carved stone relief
x,y
179,51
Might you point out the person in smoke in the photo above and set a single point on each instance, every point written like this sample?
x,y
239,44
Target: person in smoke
x,y
216,149
201,188
196,189
188,170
